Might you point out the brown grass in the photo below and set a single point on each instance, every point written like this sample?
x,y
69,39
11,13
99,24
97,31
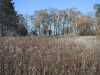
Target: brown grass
x,y
47,56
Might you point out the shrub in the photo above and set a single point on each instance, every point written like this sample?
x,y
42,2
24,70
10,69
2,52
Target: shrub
x,y
98,30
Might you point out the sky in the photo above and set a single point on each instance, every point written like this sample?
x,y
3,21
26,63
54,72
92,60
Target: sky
x,y
29,6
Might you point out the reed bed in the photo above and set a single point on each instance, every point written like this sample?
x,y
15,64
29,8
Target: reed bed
x,y
47,56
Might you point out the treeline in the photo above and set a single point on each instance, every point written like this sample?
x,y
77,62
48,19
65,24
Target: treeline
x,y
45,22
60,22
97,8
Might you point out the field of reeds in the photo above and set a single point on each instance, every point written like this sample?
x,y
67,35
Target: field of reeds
x,y
49,56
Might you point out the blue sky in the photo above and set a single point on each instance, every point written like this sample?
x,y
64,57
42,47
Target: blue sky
x,y
29,6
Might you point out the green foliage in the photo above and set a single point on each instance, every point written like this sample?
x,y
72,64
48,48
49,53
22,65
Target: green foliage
x,y
98,30
9,8
98,14
97,6
9,20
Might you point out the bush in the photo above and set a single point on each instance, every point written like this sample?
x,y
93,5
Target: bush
x,y
98,30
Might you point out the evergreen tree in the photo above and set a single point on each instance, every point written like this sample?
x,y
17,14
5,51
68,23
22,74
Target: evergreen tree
x,y
9,23
9,8
97,8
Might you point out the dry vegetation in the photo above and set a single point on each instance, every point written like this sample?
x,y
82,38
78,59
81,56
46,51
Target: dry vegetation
x,y
49,56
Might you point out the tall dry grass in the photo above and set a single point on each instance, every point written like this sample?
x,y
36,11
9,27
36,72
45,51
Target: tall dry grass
x,y
47,56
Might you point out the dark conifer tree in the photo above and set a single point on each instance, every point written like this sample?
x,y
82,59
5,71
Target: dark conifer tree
x,y
9,24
